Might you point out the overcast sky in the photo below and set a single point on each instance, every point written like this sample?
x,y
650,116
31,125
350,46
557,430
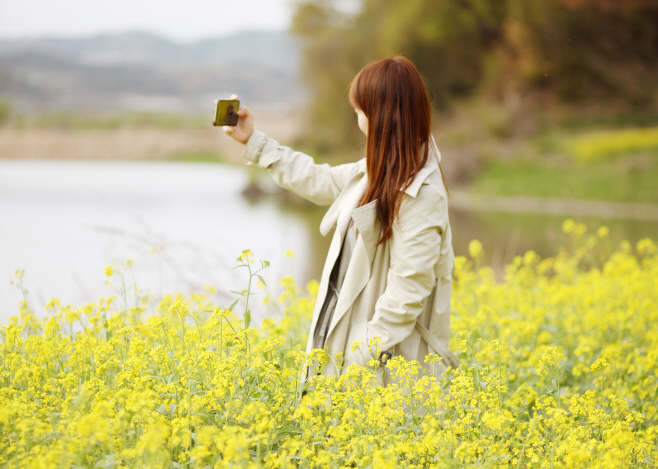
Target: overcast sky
x,y
184,20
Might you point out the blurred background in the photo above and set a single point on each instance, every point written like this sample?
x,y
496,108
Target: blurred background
x,y
543,110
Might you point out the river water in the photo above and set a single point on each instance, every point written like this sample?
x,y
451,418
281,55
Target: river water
x,y
184,225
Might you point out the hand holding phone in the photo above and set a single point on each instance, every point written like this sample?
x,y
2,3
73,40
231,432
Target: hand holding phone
x,y
243,127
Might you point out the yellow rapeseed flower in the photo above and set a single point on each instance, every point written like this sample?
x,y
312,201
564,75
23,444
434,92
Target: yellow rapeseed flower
x,y
556,372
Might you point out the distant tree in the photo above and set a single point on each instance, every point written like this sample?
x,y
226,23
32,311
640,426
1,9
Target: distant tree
x,y
334,50
572,50
582,49
445,39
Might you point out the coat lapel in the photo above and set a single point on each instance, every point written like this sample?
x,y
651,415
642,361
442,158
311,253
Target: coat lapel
x,y
358,271
338,215
365,219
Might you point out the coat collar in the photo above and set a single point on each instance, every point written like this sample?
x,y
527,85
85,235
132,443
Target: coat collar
x,y
354,190
433,159
422,175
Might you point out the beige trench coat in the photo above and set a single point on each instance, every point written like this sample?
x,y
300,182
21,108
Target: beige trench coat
x,y
398,291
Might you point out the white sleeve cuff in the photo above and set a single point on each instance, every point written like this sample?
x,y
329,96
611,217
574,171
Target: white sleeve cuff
x,y
256,153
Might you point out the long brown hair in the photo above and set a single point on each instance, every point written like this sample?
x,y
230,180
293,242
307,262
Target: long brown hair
x,y
393,96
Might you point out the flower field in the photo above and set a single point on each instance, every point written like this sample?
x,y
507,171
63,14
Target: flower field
x,y
559,360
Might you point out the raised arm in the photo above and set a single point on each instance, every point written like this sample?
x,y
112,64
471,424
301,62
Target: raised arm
x,y
291,169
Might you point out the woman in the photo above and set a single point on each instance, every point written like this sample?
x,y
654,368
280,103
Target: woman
x,y
386,282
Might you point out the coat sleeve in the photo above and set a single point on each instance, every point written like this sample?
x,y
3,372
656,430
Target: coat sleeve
x,y
296,171
415,248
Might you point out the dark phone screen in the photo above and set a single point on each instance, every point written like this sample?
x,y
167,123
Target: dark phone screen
x,y
226,112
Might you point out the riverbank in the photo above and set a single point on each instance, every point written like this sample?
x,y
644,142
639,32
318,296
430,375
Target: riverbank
x,y
464,200
126,138
124,144
537,174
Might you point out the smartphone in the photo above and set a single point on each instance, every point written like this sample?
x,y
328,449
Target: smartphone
x,y
226,112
